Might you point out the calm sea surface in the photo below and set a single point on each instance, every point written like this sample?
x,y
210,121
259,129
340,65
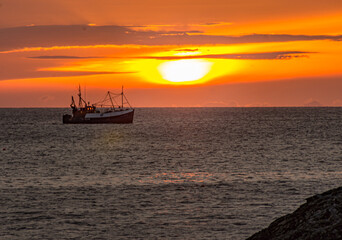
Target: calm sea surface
x,y
175,173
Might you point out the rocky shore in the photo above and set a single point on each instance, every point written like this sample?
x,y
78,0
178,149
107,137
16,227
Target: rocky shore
x,y
319,218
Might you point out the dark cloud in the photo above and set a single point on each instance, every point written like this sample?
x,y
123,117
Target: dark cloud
x,y
245,56
187,50
211,24
60,57
48,74
83,35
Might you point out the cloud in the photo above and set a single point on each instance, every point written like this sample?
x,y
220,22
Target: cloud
x,y
84,35
213,24
61,57
187,50
44,74
246,56
47,98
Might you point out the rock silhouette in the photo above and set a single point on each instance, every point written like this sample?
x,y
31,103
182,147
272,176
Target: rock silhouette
x,y
319,218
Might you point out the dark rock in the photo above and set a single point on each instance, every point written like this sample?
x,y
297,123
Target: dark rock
x,y
319,218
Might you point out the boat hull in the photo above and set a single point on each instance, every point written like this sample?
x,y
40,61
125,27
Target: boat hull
x,y
118,117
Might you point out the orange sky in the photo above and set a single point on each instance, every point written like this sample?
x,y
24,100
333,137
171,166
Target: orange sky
x,y
172,53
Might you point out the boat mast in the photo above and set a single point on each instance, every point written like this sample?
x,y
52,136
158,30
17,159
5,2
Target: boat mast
x,y
79,96
81,100
122,95
111,100
73,104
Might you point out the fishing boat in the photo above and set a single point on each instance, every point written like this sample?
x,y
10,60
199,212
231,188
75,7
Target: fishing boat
x,y
105,111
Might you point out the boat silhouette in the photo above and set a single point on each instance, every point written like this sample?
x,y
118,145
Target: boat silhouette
x,y
105,111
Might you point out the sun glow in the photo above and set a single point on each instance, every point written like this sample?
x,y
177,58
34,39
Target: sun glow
x,y
188,70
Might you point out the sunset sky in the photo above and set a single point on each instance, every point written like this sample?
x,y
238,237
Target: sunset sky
x,y
179,53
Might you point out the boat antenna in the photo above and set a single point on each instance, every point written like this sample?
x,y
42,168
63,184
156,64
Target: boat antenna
x,y
122,95
79,96
85,93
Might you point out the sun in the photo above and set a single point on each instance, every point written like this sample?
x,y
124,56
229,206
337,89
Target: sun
x,y
184,71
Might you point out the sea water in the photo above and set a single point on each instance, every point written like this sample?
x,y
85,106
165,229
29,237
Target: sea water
x,y
175,173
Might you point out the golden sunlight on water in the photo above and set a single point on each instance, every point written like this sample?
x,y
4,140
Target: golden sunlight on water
x,y
184,70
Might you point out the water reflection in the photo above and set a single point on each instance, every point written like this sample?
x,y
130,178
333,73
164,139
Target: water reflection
x,y
178,177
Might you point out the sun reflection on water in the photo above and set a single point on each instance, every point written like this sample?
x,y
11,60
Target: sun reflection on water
x,y
178,177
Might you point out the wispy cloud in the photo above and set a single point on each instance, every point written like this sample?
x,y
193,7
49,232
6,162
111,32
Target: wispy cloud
x,y
187,50
246,56
61,57
84,35
44,74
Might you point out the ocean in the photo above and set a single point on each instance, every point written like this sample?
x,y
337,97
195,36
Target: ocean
x,y
175,173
